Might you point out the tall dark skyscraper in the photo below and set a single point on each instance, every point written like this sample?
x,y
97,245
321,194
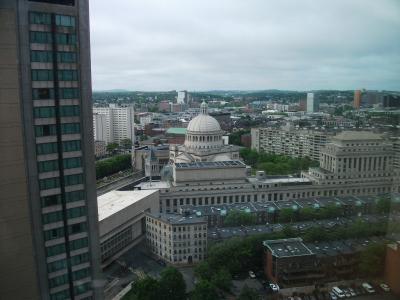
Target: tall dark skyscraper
x,y
48,211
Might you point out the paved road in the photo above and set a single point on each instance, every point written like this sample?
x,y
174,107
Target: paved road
x,y
119,183
381,296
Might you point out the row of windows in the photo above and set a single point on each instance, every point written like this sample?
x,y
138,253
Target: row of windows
x,y
47,75
54,182
57,216
67,146
47,56
56,199
60,248
51,129
45,19
62,263
50,111
48,93
42,37
52,165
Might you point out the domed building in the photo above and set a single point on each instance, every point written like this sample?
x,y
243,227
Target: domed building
x,y
203,141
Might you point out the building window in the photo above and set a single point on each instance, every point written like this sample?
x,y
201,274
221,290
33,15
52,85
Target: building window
x,y
77,228
76,212
55,250
62,20
69,110
66,38
69,93
73,179
73,162
65,293
82,288
78,244
66,57
53,234
45,130
44,112
70,128
39,18
40,37
52,217
41,56
42,75
47,166
74,196
67,75
42,93
71,146
59,280
50,200
46,148
49,183
57,265
80,274
78,259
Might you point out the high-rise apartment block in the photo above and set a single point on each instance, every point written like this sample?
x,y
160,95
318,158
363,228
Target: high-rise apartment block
x,y
48,208
183,97
289,141
357,99
312,103
113,123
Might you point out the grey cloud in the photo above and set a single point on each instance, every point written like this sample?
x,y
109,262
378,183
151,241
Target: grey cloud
x,y
235,44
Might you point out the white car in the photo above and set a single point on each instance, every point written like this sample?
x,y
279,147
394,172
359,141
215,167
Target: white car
x,y
352,292
252,274
333,296
274,287
385,287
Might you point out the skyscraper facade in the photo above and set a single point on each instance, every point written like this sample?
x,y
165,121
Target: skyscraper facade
x,y
312,103
357,99
49,246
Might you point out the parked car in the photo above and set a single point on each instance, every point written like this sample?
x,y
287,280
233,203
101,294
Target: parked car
x,y
333,296
274,287
352,292
252,274
368,288
338,292
385,287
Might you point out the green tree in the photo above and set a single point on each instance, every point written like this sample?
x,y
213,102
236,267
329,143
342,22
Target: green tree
x,y
222,279
204,290
248,294
308,214
172,285
383,205
238,217
286,215
111,147
330,211
144,289
126,143
203,270
112,165
372,260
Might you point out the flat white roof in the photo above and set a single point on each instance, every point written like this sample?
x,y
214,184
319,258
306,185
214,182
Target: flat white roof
x,y
153,185
114,201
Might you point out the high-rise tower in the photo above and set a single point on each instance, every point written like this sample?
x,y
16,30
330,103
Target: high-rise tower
x,y
48,211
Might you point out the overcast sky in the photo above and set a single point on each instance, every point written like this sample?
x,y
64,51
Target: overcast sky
x,y
245,44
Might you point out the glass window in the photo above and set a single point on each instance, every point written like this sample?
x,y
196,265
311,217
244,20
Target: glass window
x,y
47,166
79,243
63,295
59,280
40,37
44,112
66,57
39,18
66,38
42,93
80,274
52,217
49,183
62,20
74,196
42,75
73,162
50,200
76,212
45,130
46,148
57,265
71,146
69,128
67,75
55,250
41,56
69,110
77,228
82,288
52,234
73,179
69,93
78,259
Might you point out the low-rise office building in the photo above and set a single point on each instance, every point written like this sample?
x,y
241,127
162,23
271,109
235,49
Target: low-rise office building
x,y
177,239
122,222
292,262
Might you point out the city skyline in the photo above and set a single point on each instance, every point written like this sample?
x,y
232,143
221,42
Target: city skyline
x,y
233,45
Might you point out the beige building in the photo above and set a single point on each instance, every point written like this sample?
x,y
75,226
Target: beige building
x,y
177,239
203,141
289,141
122,220
210,183
100,148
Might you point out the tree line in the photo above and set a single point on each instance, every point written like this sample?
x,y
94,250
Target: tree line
x,y
112,165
